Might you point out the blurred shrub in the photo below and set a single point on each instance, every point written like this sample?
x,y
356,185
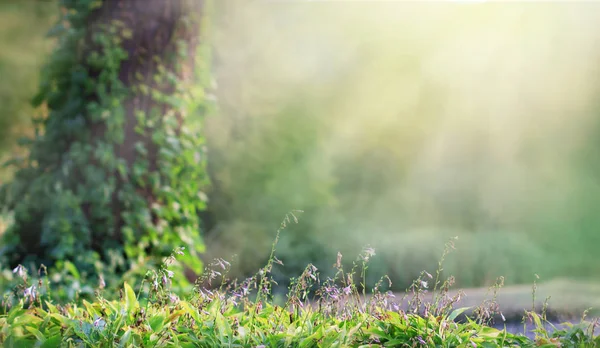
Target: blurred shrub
x,y
394,129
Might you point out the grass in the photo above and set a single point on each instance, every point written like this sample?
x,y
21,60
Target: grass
x,y
220,312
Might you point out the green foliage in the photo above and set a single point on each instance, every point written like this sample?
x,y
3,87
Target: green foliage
x,y
75,199
246,315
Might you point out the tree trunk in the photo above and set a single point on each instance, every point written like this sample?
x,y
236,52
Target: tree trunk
x,y
154,32
119,161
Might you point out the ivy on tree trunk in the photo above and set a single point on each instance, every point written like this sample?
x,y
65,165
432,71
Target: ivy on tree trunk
x,y
116,170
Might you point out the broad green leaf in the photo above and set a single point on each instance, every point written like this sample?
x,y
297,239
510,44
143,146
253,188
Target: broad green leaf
x,y
52,342
40,336
51,308
15,313
157,322
90,308
72,269
457,312
124,340
191,311
130,298
489,332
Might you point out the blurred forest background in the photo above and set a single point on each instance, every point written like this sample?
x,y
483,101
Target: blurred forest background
x,y
396,125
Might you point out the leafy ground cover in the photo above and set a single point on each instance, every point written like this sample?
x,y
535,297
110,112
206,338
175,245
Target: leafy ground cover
x,y
219,312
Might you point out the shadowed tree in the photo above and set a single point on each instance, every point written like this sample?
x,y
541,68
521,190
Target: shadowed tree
x,y
117,167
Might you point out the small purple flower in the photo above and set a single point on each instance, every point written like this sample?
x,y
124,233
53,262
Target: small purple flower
x,y
222,263
20,271
30,292
99,323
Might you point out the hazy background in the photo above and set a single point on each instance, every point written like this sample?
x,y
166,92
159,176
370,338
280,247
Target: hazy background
x,y
391,124
403,124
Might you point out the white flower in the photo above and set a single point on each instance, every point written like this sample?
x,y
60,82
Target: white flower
x,y
424,284
99,323
20,271
30,291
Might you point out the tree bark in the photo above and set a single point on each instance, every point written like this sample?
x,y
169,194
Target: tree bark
x,y
118,163
155,33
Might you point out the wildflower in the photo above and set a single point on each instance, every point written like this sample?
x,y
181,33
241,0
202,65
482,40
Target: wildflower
x,y
30,292
101,282
338,262
20,271
174,298
99,323
367,254
347,290
223,264
421,340
170,274
424,284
